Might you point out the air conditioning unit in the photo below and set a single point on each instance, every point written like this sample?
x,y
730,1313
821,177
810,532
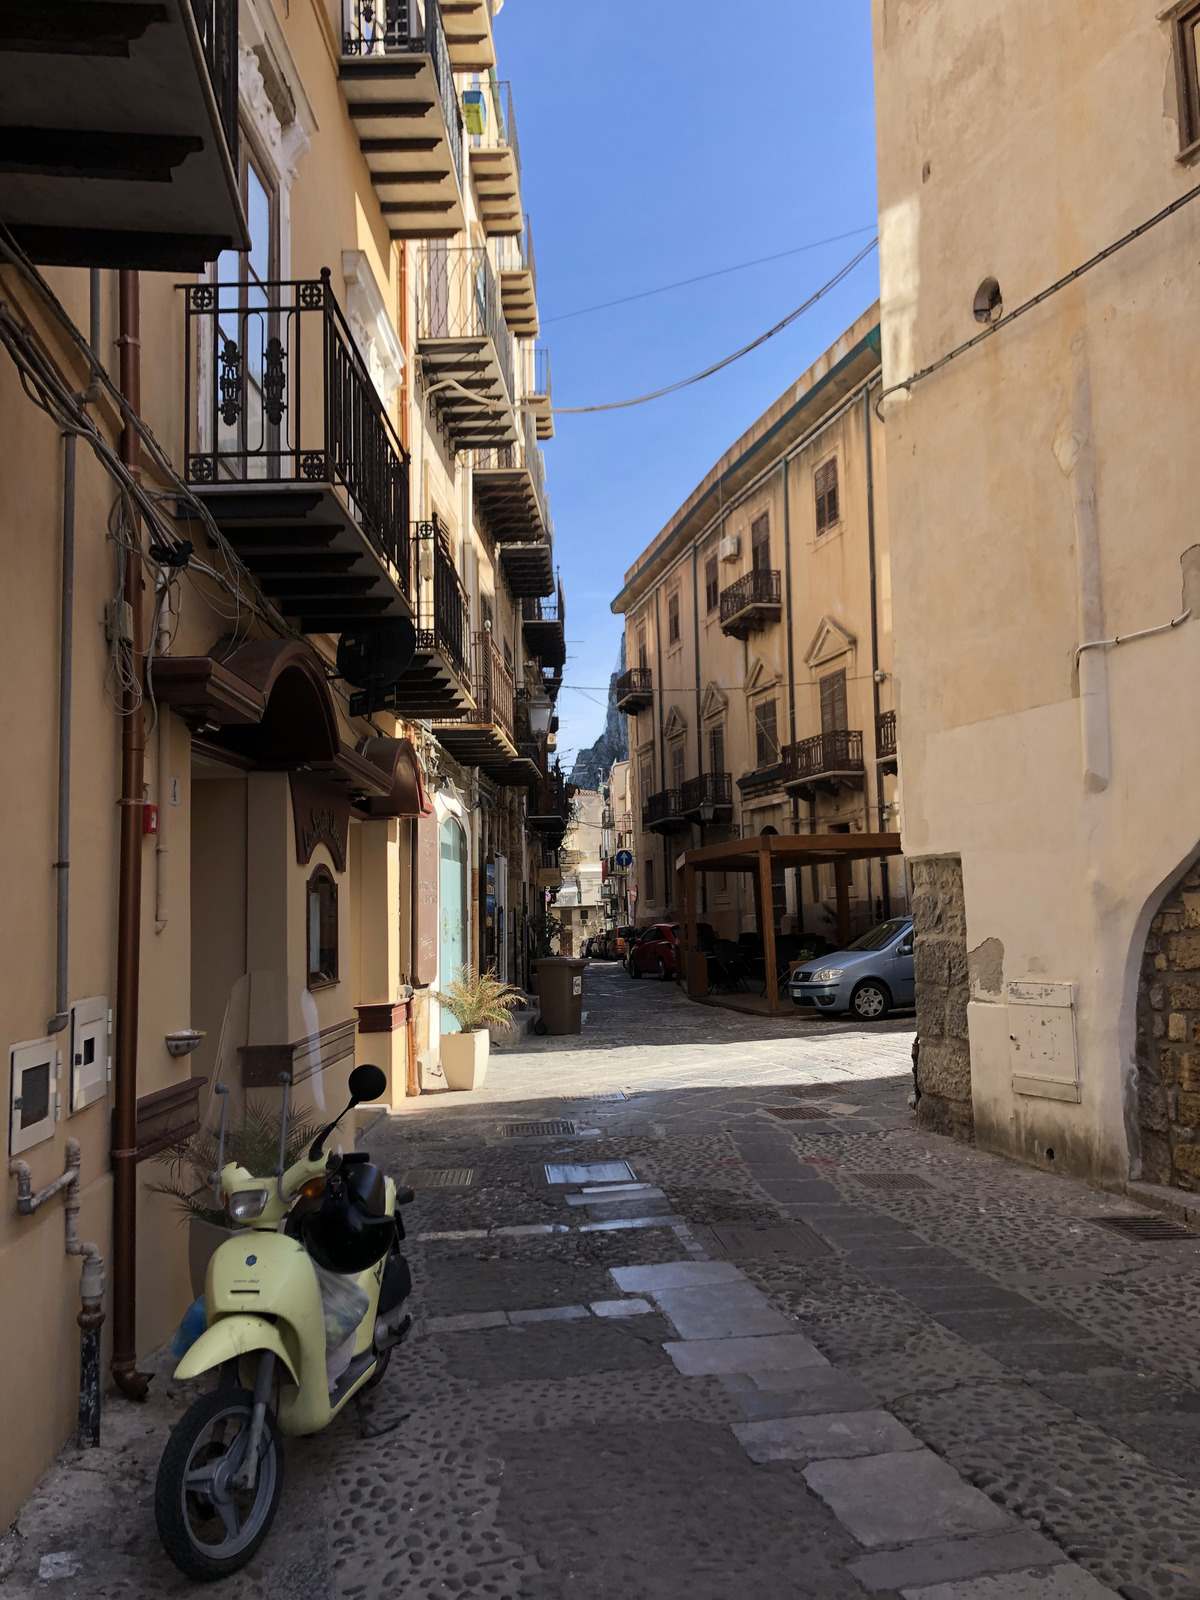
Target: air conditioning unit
x,y
729,548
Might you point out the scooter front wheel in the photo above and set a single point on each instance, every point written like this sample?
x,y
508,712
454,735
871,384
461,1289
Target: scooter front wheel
x,y
208,1527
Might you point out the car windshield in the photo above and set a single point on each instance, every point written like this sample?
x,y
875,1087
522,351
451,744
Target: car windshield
x,y
883,934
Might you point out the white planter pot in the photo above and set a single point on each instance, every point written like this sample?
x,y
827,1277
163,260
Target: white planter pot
x,y
465,1058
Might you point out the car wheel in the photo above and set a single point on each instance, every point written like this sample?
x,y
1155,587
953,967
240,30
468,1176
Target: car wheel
x,y
634,970
870,1001
663,974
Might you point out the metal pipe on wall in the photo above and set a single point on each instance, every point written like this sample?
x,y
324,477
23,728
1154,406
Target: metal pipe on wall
x,y
884,879
132,1383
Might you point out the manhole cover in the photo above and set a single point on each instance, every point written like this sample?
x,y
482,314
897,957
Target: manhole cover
x,y
439,1178
797,1113
775,1242
535,1130
1149,1227
892,1181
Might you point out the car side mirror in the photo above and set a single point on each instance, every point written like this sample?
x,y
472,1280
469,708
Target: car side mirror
x,y
366,1082
905,949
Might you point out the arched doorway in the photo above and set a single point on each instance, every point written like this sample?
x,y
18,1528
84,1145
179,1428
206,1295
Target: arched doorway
x,y
452,899
1168,1039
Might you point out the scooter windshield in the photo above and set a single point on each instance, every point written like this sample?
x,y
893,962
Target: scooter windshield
x,y
266,1096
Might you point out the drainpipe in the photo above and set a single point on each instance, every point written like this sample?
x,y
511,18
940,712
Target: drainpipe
x,y
132,1383
91,1282
885,885
662,750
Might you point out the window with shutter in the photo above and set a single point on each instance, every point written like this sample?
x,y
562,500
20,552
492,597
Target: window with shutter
x,y
642,660
825,484
646,780
766,734
677,766
673,619
712,584
833,702
760,543
716,748
1186,27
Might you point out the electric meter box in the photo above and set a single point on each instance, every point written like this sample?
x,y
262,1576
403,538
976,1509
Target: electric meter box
x,y
91,1034
1041,1037
33,1106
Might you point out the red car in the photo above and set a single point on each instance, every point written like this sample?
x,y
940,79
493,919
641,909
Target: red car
x,y
655,951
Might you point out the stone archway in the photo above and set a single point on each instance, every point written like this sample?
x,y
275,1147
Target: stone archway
x,y
1168,1039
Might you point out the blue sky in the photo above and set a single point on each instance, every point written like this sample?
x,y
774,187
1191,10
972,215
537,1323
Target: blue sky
x,y
661,141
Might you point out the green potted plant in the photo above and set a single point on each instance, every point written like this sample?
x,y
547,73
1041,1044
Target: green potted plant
x,y
476,1001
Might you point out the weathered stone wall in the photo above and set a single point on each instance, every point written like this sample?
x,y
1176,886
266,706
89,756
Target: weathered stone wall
x,y
940,950
1168,1040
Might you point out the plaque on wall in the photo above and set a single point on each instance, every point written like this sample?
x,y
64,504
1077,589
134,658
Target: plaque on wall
x,y
321,813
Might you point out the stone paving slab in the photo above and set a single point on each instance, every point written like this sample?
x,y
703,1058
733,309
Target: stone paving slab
x,y
955,1558
1060,1583
721,1311
633,1307
674,1275
902,1497
769,1352
844,1394
824,1437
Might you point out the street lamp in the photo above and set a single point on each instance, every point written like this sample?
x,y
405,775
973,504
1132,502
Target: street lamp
x,y
540,708
707,810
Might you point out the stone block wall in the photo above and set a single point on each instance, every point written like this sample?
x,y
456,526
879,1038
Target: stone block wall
x,y
1168,1040
940,951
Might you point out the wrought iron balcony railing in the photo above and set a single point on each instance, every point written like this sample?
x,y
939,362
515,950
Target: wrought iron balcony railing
x,y
716,787
217,23
443,611
665,806
457,298
494,692
408,27
758,587
839,752
885,734
276,390
634,689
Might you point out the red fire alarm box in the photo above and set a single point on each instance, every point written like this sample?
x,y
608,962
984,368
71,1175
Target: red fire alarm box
x,y
149,819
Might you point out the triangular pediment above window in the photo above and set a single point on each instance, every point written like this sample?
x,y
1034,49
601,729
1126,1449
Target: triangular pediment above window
x,y
830,640
713,702
675,724
760,676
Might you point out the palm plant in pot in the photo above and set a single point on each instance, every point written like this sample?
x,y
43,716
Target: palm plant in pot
x,y
476,1001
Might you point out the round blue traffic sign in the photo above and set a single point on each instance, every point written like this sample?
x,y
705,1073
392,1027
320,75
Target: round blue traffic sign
x,y
624,858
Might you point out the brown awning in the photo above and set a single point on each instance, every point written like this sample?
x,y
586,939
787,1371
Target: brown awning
x,y
405,795
790,850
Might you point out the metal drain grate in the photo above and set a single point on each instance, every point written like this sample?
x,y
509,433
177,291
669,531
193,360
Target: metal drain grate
x,y
535,1130
1149,1228
893,1182
797,1113
439,1178
597,1099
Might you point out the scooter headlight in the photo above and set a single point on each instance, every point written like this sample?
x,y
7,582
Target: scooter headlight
x,y
247,1204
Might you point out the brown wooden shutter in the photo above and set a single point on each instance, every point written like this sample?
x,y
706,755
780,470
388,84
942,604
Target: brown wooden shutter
x,y
825,485
641,647
766,734
716,748
760,543
677,766
711,584
833,702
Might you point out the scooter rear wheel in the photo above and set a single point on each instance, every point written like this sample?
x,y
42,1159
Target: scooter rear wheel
x,y
208,1528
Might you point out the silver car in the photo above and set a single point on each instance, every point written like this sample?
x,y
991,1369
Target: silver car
x,y
866,979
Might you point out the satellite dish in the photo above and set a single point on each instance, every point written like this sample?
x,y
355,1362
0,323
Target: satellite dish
x,y
373,658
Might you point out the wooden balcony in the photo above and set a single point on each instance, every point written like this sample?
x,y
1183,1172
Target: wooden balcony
x,y
752,603
885,740
290,447
398,77
495,158
710,788
465,347
119,143
437,681
827,761
486,736
663,812
634,690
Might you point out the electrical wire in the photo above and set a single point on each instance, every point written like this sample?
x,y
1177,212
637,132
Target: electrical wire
x,y
717,366
703,277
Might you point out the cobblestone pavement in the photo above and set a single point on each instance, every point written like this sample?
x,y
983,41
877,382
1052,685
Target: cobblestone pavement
x,y
805,1349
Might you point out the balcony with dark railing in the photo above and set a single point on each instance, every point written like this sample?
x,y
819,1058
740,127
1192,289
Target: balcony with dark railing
x,y
398,79
549,808
495,156
829,761
290,447
465,347
753,602
710,790
539,396
437,681
510,488
518,283
486,736
544,621
634,690
663,812
885,739
120,142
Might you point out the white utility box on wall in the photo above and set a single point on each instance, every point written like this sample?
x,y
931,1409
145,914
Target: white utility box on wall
x,y
91,1029
33,1093
1041,1035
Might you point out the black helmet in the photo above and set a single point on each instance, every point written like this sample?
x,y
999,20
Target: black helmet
x,y
340,1235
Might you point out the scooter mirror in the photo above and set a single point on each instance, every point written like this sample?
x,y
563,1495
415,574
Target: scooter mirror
x,y
367,1082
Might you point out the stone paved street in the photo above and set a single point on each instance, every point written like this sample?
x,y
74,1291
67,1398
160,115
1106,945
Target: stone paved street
x,y
797,1348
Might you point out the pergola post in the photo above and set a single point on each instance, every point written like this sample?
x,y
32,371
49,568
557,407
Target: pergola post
x,y
841,883
766,924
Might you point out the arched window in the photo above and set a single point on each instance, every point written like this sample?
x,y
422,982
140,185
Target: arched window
x,y
322,928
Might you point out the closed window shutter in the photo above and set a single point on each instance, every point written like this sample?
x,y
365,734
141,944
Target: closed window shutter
x,y
760,543
677,766
711,584
833,702
766,735
825,483
641,648
716,748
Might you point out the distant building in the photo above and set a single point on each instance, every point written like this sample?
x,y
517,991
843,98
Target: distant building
x,y
579,902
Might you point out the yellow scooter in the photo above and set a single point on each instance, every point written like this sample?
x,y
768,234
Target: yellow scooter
x,y
303,1304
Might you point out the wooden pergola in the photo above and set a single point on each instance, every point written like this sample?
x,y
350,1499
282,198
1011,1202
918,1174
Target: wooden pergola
x,y
758,855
